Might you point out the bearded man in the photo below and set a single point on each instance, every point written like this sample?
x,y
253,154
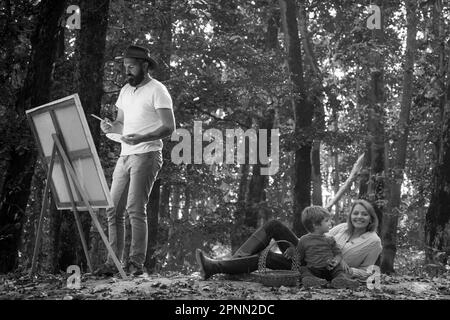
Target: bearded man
x,y
144,117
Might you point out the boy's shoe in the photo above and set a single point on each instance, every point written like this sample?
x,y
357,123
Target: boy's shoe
x,y
313,282
106,270
134,269
343,282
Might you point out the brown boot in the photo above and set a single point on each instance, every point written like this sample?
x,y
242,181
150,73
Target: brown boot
x,y
209,267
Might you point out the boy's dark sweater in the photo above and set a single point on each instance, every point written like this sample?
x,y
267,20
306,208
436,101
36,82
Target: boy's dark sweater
x,y
315,251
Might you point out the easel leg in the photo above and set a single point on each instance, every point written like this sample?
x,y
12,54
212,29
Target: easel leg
x,y
85,198
43,211
83,240
77,219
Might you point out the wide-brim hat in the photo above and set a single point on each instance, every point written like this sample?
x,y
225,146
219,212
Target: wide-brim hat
x,y
139,52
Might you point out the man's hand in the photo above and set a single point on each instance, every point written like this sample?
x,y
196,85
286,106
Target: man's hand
x,y
106,125
133,138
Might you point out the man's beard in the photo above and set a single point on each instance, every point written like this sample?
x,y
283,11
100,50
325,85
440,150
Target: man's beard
x,y
135,80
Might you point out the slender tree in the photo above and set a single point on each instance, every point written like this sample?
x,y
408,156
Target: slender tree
x,y
375,190
90,54
303,113
255,195
243,224
437,224
390,219
163,51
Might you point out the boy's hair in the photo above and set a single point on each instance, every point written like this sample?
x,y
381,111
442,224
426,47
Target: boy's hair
x,y
313,215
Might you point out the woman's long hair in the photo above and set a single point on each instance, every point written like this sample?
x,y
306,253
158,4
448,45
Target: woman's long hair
x,y
373,224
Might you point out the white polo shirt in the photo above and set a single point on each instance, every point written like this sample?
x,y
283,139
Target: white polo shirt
x,y
139,109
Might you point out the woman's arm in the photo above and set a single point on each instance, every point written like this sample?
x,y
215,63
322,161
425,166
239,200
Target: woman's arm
x,y
373,251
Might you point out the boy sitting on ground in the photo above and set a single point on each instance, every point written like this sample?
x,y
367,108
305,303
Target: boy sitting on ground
x,y
319,256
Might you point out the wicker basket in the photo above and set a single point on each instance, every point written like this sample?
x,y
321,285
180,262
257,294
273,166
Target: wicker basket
x,y
277,278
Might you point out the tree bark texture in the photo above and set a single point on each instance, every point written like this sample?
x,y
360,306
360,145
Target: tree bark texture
x,y
19,173
90,55
302,113
373,183
437,221
390,219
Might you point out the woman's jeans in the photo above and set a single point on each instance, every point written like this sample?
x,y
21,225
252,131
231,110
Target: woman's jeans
x,y
278,231
273,230
132,183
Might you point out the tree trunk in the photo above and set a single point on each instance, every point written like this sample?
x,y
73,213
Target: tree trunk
x,y
164,43
31,222
336,183
90,53
374,191
172,258
437,225
69,244
239,234
55,221
256,190
253,193
302,112
335,160
272,30
164,202
164,52
164,222
389,228
318,106
36,91
315,173
90,50
9,36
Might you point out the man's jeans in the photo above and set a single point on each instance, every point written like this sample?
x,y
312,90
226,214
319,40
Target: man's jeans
x,y
132,183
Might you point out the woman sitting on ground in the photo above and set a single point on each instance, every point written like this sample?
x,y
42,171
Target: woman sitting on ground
x,y
357,239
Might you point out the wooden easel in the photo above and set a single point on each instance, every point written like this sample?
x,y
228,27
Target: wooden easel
x,y
58,149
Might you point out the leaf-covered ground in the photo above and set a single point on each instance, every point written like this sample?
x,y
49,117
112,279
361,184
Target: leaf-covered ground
x,y
178,286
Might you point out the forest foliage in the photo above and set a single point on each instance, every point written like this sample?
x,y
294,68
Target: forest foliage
x,y
224,72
